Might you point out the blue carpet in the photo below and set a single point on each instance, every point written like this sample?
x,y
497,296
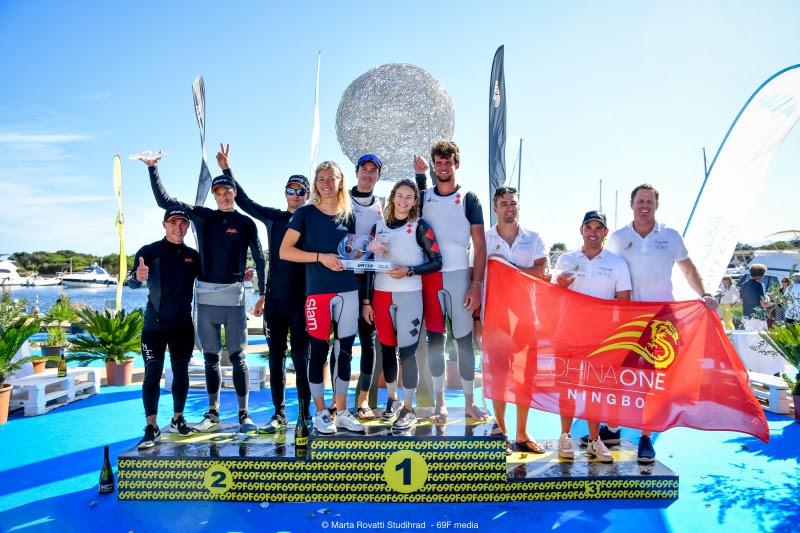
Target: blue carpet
x,y
50,465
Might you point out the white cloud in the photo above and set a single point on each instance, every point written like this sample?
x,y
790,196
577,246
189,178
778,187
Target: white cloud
x,y
45,138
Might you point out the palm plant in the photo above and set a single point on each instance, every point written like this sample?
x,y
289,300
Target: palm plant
x,y
785,340
61,311
10,310
109,336
55,337
11,340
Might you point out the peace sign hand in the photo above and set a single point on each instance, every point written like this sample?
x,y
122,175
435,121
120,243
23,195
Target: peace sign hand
x,y
222,156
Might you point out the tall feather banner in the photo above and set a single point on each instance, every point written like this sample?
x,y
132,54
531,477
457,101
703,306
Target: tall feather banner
x,y
204,183
741,161
315,126
497,127
119,222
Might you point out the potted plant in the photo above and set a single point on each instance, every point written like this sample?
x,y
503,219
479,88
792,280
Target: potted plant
x,y
61,314
110,336
53,346
11,340
785,340
39,363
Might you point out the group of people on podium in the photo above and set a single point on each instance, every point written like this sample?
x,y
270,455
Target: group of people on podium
x,y
436,243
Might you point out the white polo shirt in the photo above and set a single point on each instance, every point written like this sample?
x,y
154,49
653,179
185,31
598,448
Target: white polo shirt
x,y
792,294
650,260
526,248
602,277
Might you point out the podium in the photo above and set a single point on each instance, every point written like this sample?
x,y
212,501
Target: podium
x,y
455,462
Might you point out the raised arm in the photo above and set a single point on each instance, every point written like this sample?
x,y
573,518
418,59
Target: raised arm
x,y
244,202
164,200
420,168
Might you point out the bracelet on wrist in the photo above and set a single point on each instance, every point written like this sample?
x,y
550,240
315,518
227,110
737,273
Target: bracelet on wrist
x,y
317,261
479,283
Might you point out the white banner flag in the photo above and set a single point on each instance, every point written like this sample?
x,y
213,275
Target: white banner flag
x,y
742,159
315,127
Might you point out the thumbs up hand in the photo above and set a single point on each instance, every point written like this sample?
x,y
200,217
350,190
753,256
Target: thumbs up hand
x,y
142,271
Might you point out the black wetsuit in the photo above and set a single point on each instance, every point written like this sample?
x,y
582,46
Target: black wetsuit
x,y
167,318
284,305
223,238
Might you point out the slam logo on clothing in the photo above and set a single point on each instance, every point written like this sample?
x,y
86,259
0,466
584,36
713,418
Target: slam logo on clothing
x,y
231,231
655,341
311,315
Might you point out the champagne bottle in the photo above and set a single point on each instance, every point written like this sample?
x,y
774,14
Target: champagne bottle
x,y
301,434
62,366
106,475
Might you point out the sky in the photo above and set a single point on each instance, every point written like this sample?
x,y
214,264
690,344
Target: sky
x,y
622,92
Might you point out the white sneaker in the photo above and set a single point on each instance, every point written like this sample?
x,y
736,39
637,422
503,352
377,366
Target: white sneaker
x,y
598,450
345,420
323,423
210,420
565,447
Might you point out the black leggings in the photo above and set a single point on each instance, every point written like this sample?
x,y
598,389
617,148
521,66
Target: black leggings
x,y
408,364
366,336
154,345
281,318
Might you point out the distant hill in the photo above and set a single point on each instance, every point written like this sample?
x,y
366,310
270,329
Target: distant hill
x,y
51,263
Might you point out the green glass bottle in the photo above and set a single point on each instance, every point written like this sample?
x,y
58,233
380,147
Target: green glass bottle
x,y
62,366
106,485
301,434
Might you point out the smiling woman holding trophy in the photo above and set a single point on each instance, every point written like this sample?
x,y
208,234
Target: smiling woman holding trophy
x,y
393,299
313,237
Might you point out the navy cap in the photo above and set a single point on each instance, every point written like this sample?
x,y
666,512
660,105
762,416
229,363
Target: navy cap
x,y
595,215
223,181
176,212
298,179
369,158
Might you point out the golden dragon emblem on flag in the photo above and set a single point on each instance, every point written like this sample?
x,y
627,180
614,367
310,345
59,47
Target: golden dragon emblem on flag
x,y
658,349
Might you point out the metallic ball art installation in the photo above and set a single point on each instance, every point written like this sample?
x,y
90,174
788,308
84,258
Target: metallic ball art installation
x,y
394,111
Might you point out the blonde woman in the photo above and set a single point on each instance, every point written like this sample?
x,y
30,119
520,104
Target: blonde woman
x,y
393,299
728,300
313,236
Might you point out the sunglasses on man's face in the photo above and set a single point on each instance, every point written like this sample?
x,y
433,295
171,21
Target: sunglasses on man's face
x,y
295,192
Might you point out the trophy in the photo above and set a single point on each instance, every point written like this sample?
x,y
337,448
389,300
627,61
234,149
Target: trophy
x,y
148,155
355,253
573,270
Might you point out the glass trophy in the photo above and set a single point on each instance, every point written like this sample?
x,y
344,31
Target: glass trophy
x,y
573,270
356,253
148,155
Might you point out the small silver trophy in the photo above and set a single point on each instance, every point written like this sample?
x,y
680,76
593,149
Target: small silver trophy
x,y
355,254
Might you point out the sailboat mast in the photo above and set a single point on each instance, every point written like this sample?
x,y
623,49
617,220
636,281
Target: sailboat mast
x,y
519,170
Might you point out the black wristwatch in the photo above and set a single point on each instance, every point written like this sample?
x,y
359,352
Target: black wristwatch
x,y
706,294
410,272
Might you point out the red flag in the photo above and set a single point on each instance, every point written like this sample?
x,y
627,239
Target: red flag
x,y
647,365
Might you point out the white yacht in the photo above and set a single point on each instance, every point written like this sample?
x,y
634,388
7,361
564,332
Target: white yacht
x,y
8,274
89,277
40,281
